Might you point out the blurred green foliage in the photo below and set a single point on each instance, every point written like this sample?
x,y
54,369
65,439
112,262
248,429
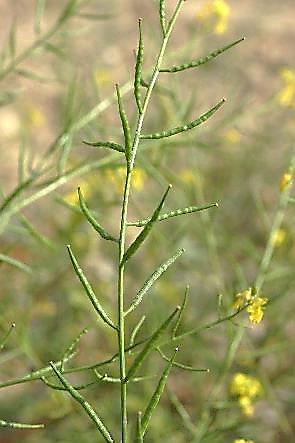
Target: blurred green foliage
x,y
59,92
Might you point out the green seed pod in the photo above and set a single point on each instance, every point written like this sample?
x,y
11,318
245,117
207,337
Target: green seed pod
x,y
184,128
202,60
162,14
138,69
111,145
125,127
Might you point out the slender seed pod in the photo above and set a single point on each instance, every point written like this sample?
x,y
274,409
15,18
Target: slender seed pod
x,y
138,69
187,127
125,127
94,223
202,60
89,291
175,213
152,279
85,405
162,14
149,345
146,230
157,394
111,145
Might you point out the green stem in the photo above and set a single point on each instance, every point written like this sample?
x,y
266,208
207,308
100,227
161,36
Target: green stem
x,y
270,246
122,238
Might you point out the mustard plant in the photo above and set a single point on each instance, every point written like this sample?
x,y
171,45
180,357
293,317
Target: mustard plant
x,y
132,140
132,353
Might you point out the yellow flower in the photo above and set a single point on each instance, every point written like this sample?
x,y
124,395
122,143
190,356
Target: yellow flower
x,y
278,237
138,179
285,181
246,388
286,96
245,385
87,186
232,136
117,178
246,406
214,15
256,309
103,77
242,440
34,118
242,298
187,176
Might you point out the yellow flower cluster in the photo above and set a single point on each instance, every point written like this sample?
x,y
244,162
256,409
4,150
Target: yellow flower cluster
x,y
246,388
33,116
256,309
242,298
117,178
285,181
278,237
286,96
103,77
255,305
242,440
86,185
232,136
214,15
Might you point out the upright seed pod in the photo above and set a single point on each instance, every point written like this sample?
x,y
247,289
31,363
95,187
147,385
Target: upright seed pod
x,y
138,69
126,128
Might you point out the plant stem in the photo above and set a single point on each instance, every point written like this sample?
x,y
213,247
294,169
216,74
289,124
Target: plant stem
x,y
122,238
28,52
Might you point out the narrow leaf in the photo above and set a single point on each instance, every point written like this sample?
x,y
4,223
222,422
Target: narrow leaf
x,y
125,127
135,332
14,425
187,127
36,234
138,69
175,213
69,10
181,365
12,196
156,395
95,17
202,60
58,52
89,291
62,388
40,6
85,405
139,436
180,314
22,161
111,145
146,230
94,223
149,345
151,280
184,415
162,14
71,349
12,41
34,76
16,263
4,339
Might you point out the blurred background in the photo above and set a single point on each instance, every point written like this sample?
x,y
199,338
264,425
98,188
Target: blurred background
x,y
58,65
